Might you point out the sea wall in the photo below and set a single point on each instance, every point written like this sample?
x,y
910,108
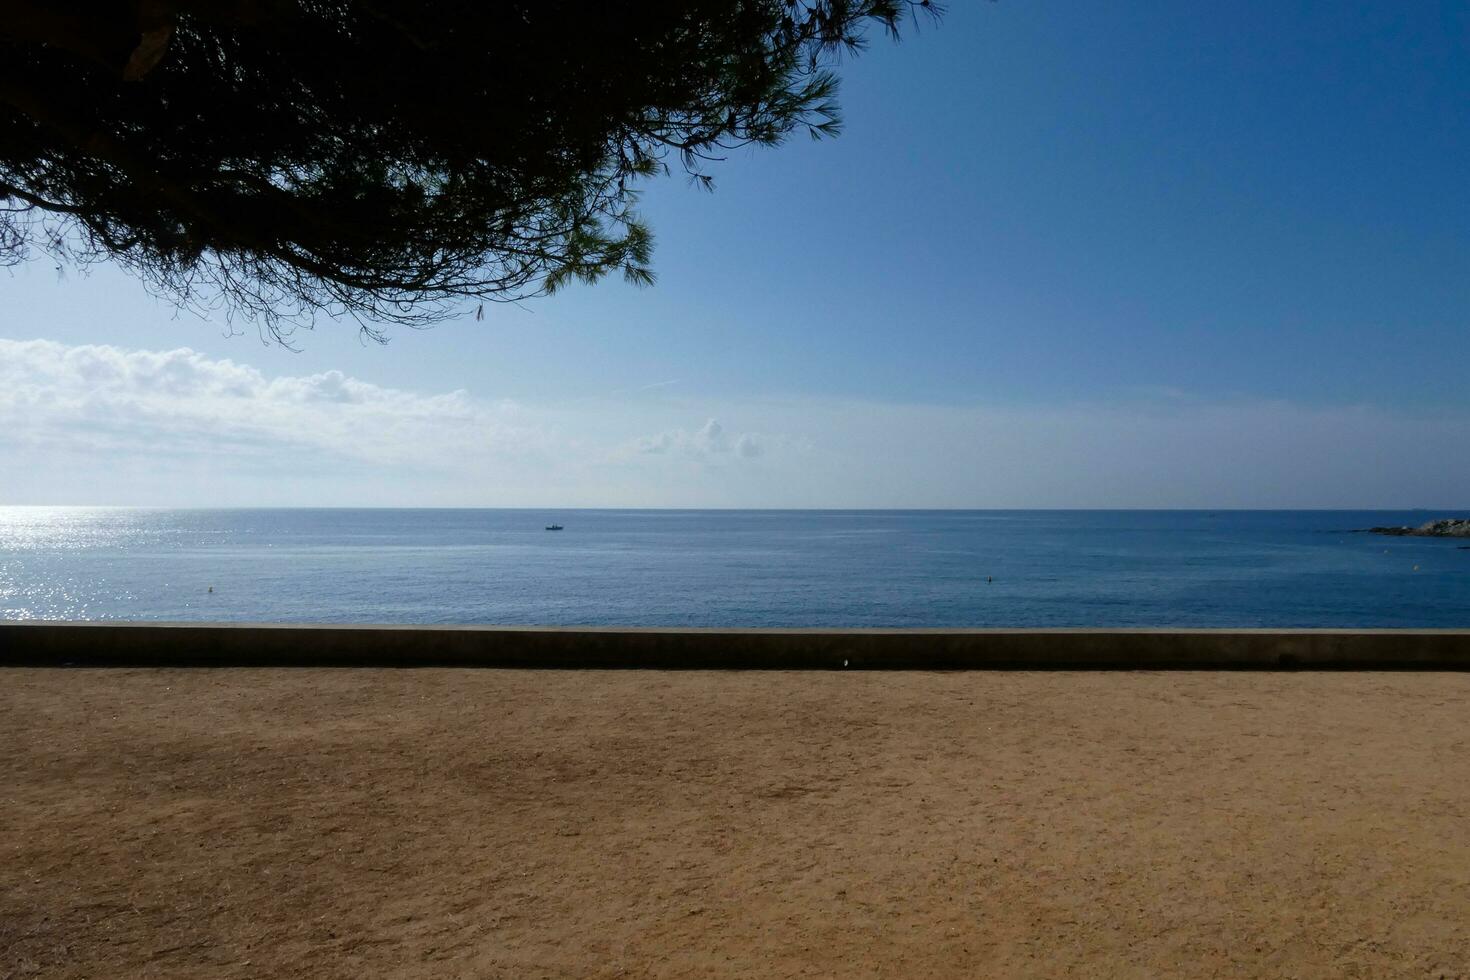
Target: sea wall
x,y
239,644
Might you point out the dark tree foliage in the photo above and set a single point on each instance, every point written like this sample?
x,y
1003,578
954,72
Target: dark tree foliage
x,y
388,159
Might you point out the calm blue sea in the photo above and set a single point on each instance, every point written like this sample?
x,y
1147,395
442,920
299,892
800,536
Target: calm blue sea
x,y
732,568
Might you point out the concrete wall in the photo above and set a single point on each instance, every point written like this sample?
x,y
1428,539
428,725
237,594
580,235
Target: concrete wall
x,y
238,644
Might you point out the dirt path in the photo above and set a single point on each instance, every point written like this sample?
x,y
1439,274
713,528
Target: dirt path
x,y
448,823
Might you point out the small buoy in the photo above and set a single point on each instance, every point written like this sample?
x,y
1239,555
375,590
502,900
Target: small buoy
x,y
211,588
988,580
1416,568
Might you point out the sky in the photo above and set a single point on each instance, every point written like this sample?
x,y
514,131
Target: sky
x,y
1065,254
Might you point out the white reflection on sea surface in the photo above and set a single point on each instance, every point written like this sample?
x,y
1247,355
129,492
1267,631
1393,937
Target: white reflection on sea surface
x,y
60,594
30,528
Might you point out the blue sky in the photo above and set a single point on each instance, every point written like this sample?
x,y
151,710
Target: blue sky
x,y
1065,254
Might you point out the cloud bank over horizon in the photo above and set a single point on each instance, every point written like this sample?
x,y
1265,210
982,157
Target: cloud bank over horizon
x,y
99,424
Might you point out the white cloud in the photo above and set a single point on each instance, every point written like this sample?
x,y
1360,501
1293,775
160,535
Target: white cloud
x,y
708,440
105,424
101,424
107,398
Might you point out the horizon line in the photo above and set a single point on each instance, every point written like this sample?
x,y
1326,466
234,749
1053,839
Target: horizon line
x,y
813,510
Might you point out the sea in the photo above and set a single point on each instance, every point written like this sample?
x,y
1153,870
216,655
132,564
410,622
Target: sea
x,y
770,568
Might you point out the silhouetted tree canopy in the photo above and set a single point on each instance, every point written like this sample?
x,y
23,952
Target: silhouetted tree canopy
x,y
388,159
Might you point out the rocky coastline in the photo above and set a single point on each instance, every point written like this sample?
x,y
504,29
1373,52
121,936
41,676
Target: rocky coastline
x,y
1449,527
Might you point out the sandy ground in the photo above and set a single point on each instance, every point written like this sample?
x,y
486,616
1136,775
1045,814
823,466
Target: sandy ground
x,y
448,823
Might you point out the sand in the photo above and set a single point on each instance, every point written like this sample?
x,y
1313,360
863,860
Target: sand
x,y
463,823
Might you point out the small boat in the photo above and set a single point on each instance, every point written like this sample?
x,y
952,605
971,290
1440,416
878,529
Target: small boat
x,y
553,527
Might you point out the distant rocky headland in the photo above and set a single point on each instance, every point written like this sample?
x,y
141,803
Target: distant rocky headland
x,y
1449,527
